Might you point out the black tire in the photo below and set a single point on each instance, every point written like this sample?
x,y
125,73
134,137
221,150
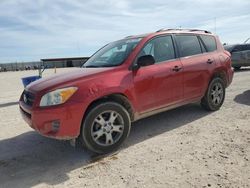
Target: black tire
x,y
210,101
93,124
237,68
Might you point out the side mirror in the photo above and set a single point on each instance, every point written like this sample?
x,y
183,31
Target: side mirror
x,y
145,60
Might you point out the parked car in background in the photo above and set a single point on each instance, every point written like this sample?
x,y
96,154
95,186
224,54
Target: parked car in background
x,y
128,80
240,55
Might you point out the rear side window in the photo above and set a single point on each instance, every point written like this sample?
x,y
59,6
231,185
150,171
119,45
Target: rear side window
x,y
209,42
188,45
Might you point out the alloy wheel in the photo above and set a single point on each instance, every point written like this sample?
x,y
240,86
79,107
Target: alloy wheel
x,y
107,128
217,93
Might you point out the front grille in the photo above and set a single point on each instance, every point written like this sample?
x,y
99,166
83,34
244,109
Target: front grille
x,y
28,98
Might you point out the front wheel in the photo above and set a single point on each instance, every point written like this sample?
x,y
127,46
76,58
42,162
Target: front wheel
x,y
214,96
105,127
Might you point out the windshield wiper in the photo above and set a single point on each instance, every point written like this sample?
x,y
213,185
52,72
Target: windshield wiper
x,y
91,66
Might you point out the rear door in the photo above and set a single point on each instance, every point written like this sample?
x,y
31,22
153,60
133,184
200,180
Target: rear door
x,y
195,65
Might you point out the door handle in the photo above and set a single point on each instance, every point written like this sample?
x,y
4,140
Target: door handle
x,y
176,68
210,61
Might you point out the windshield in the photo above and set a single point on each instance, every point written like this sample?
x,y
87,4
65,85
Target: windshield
x,y
113,54
229,48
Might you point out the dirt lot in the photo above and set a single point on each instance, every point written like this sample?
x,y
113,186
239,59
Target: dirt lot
x,y
185,147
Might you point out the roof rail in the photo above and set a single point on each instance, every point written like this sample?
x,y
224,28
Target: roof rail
x,y
188,30
169,29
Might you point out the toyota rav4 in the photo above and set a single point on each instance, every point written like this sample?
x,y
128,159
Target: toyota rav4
x,y
125,81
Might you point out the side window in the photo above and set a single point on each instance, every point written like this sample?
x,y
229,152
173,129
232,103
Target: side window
x,y
245,47
148,49
209,42
237,48
161,48
248,47
188,45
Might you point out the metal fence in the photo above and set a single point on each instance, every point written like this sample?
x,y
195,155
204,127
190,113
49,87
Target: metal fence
x,y
19,66
48,63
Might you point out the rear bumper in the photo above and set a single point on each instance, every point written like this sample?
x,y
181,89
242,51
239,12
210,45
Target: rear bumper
x,y
60,122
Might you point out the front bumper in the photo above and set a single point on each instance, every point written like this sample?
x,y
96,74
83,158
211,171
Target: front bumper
x,y
60,122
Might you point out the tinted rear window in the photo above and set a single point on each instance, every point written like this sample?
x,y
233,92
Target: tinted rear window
x,y
188,45
209,42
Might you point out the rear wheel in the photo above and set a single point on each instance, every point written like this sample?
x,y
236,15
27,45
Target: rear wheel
x,y
215,95
105,127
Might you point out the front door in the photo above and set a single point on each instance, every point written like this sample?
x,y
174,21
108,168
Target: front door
x,y
161,84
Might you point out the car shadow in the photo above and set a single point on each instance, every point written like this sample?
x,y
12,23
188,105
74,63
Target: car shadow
x,y
30,159
8,104
243,98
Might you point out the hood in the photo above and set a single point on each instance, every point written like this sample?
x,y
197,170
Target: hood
x,y
63,78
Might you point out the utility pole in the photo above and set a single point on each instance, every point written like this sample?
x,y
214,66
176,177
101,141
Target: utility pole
x,y
247,40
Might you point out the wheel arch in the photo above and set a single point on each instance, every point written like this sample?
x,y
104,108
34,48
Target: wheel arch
x,y
118,98
114,97
217,74
220,74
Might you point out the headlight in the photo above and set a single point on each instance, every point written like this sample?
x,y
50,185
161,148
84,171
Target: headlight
x,y
58,96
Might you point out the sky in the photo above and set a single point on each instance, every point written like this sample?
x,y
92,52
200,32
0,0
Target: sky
x,y
31,30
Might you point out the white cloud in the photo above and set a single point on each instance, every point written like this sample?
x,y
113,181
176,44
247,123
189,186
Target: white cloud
x,y
31,30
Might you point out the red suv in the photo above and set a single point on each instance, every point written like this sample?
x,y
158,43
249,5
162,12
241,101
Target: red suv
x,y
127,80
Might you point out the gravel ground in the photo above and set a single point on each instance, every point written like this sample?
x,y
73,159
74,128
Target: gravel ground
x,y
184,147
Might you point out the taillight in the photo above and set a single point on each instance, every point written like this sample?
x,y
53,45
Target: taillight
x,y
228,58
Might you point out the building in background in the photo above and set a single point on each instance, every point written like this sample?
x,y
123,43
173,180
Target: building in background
x,y
48,63
64,62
